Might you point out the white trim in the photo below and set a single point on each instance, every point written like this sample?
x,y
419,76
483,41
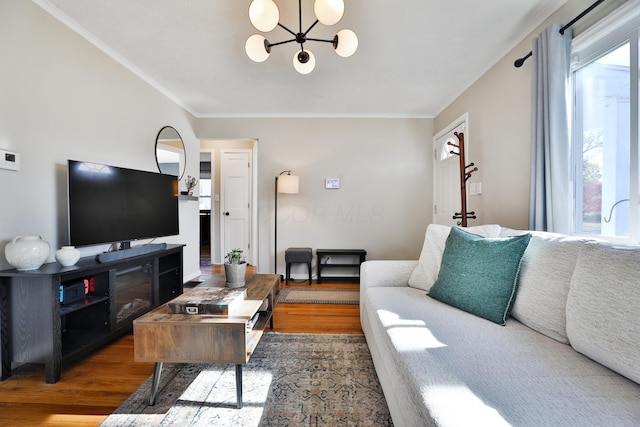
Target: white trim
x,y
294,115
454,124
618,24
634,136
255,207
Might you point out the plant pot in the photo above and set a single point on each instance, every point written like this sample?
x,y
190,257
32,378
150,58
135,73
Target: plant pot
x,y
235,275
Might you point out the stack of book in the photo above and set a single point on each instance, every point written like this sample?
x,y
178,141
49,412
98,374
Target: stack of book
x,y
251,323
219,301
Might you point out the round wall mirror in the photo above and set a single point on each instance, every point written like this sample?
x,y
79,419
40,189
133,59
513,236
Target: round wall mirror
x,y
170,152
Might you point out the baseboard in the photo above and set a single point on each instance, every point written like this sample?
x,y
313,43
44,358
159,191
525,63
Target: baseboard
x,y
301,276
189,277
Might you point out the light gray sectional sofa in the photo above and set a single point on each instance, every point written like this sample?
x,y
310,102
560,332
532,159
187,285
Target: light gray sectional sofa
x,y
568,355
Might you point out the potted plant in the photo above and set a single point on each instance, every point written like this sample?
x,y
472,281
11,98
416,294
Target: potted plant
x,y
190,182
235,269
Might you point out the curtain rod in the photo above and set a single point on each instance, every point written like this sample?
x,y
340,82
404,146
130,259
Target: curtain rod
x,y
518,63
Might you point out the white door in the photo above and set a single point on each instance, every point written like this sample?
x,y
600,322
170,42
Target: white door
x,y
446,169
235,197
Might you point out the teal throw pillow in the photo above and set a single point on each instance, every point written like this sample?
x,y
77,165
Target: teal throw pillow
x,y
479,275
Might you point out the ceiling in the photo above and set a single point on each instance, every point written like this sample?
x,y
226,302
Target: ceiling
x,y
414,56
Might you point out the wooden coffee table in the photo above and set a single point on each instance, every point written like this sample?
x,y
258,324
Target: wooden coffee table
x,y
160,336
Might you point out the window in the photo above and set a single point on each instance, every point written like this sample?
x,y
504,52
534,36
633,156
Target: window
x,y
605,130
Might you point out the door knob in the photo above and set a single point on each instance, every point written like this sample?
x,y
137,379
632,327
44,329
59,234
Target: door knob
x,y
226,213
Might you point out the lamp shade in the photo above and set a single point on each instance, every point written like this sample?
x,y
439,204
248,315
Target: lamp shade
x,y
329,12
304,67
347,43
256,49
288,184
264,15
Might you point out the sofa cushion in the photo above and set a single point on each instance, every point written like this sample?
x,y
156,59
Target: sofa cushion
x,y
543,283
442,366
426,272
478,275
603,307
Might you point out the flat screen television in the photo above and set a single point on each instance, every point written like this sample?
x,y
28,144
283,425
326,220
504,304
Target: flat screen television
x,y
109,204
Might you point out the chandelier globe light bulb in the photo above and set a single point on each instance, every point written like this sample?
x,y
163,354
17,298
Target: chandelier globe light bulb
x,y
304,67
264,15
256,48
347,43
329,12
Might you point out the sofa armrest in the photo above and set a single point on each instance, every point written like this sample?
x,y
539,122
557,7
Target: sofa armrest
x,y
386,273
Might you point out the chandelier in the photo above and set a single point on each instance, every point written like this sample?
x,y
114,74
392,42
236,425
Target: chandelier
x,y
265,16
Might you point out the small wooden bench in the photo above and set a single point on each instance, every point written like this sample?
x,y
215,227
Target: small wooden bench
x,y
322,254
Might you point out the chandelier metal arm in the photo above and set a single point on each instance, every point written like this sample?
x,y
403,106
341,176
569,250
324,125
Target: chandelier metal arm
x,y
319,40
287,30
309,29
282,42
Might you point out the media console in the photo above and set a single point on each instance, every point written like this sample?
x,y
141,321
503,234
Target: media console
x,y
55,314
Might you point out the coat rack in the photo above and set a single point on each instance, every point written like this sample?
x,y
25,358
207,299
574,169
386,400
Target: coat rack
x,y
463,215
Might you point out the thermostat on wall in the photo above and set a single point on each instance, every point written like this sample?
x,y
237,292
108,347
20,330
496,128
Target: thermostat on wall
x,y
332,183
9,160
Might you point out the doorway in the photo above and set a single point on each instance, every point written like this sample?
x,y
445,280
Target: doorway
x,y
446,172
233,190
235,201
207,204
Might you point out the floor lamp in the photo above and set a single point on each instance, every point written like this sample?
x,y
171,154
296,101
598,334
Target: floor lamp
x,y
285,183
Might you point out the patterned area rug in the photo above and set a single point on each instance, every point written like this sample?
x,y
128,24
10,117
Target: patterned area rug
x,y
291,380
319,296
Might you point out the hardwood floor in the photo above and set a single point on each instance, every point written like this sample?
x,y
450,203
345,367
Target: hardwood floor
x,y
95,386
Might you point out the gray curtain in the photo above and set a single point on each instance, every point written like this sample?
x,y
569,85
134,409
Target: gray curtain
x,y
550,205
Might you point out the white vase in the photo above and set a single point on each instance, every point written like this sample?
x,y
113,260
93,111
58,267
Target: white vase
x,y
67,256
27,252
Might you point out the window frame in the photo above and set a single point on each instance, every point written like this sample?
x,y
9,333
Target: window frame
x,y
620,27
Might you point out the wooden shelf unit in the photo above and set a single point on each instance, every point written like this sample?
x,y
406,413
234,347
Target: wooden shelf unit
x,y
358,256
36,326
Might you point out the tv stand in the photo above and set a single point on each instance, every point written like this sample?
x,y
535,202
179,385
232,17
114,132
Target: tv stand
x,y
129,252
57,314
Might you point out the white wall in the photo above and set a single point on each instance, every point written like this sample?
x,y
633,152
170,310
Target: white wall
x,y
499,106
385,171
62,98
